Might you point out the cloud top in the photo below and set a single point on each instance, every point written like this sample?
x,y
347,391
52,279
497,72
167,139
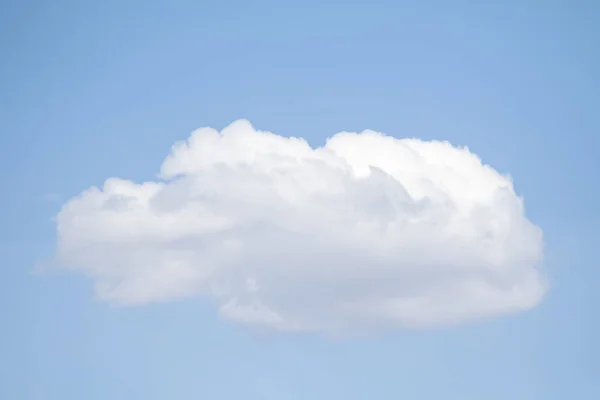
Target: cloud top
x,y
368,232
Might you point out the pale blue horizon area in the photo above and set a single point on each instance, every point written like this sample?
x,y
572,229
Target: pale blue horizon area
x,y
91,90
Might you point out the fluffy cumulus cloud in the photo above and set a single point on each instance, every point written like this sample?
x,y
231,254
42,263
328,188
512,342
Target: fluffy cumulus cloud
x,y
366,232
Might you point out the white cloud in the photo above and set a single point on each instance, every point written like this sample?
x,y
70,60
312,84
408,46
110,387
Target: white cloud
x,y
367,232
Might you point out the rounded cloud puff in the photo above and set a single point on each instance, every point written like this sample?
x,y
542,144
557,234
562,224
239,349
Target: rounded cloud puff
x,y
365,233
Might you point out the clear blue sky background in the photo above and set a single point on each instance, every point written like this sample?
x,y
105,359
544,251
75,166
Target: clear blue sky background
x,y
93,89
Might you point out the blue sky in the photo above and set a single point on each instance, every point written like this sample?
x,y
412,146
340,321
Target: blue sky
x,y
91,90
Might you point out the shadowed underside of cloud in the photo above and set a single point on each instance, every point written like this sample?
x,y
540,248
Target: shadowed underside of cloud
x,y
365,233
